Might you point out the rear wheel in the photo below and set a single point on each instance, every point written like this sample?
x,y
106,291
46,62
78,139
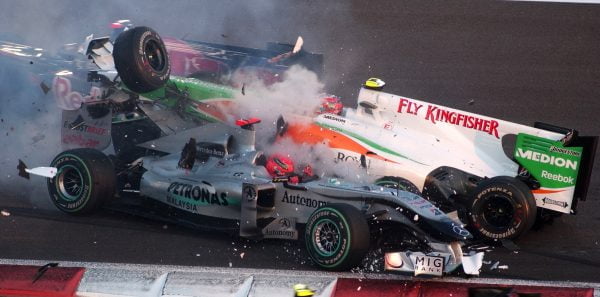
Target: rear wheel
x,y
337,237
141,59
85,179
502,208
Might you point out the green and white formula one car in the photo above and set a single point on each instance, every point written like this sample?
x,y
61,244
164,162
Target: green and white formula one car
x,y
499,176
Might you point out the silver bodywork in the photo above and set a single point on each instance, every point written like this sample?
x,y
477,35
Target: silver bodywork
x,y
226,182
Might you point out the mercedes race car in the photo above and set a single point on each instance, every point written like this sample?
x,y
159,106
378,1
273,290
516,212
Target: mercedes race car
x,y
219,175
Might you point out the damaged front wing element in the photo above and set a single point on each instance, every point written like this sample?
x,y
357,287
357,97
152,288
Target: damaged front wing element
x,y
435,263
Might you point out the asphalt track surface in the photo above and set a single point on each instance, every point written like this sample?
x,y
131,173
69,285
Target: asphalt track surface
x,y
519,61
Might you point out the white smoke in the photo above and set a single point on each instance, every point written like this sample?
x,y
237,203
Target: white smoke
x,y
295,98
29,124
298,94
34,135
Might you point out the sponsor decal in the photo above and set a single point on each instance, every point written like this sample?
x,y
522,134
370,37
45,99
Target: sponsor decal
x,y
345,158
565,151
280,179
211,149
558,177
562,204
546,159
250,193
80,125
79,141
283,228
334,118
301,200
429,265
80,131
437,114
190,196
67,99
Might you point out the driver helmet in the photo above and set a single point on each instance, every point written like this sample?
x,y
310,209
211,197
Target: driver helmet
x,y
331,104
279,165
374,83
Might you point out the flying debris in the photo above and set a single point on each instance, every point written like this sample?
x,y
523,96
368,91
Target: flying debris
x,y
49,172
45,88
295,50
22,169
37,138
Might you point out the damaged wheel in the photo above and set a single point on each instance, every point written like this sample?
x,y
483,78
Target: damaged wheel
x,y
502,208
337,237
85,179
141,59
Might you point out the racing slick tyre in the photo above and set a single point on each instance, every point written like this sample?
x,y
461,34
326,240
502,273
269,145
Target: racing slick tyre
x,y
398,182
337,237
141,59
502,207
85,179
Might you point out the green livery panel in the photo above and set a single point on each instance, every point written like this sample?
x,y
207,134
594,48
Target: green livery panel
x,y
550,162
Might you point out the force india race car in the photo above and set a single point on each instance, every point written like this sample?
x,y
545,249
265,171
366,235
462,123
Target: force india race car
x,y
215,173
499,176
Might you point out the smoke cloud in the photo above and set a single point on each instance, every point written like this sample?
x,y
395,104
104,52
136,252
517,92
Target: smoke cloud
x,y
30,120
295,98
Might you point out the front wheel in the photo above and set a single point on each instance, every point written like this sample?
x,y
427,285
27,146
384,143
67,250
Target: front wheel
x,y
337,237
85,179
502,208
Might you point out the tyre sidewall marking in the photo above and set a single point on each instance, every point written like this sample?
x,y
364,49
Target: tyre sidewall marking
x,y
144,65
479,221
63,202
345,237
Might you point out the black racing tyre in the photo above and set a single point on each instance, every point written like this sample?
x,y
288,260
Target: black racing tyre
x,y
337,237
85,179
501,208
141,59
395,182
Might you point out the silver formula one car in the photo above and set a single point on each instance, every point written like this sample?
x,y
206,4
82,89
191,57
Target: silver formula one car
x,y
220,175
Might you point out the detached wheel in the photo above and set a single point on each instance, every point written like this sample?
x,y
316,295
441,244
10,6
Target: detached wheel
x,y
398,183
502,208
141,59
85,179
337,237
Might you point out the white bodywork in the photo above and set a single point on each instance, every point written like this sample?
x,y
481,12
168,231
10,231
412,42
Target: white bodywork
x,y
415,137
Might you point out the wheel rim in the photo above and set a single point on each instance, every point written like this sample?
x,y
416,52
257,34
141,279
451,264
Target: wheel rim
x,y
389,184
327,237
155,55
70,183
498,212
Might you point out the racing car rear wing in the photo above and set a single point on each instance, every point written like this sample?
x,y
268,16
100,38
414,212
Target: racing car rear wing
x,y
589,145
